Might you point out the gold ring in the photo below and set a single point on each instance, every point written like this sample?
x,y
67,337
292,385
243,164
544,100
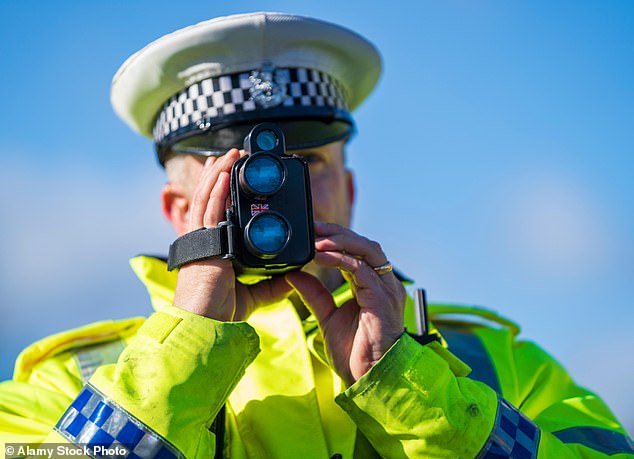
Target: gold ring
x,y
383,269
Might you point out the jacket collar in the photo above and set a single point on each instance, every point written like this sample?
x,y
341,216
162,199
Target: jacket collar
x,y
161,283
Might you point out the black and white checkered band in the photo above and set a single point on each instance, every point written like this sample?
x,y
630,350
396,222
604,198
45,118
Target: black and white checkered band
x,y
92,421
262,89
513,435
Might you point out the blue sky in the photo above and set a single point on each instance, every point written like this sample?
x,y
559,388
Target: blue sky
x,y
494,163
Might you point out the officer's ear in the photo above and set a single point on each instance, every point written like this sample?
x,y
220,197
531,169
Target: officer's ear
x,y
175,205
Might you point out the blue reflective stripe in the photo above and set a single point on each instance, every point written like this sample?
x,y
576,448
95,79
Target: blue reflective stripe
x,y
93,420
513,435
602,440
468,347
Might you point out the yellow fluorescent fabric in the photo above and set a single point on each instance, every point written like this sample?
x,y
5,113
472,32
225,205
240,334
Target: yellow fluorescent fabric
x,y
178,369
430,403
47,379
175,383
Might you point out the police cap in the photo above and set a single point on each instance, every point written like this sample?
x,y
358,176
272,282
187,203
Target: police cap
x,y
201,89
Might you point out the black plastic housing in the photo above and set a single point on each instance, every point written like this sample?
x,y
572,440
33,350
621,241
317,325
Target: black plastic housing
x,y
292,201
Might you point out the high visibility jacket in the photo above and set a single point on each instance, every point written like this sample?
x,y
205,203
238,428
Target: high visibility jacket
x,y
165,386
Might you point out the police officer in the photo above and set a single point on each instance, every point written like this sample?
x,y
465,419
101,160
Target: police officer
x,y
311,363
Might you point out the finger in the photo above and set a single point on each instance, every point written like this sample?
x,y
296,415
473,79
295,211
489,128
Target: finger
x,y
206,183
347,263
270,291
354,245
326,229
333,237
386,294
202,188
313,294
216,205
356,271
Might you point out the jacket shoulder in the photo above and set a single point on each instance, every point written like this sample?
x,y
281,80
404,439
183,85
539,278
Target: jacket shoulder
x,y
106,336
471,316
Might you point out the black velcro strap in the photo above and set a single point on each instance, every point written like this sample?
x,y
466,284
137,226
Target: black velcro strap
x,y
200,244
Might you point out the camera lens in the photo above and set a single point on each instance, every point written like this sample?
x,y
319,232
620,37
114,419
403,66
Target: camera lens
x,y
262,174
266,234
266,140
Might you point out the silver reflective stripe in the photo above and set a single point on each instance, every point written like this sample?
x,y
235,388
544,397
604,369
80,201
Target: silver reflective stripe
x,y
89,358
468,347
602,440
93,420
513,435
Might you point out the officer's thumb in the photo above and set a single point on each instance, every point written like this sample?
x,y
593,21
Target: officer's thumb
x,y
313,294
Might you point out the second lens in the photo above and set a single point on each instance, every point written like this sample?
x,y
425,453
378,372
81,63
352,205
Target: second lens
x,y
267,234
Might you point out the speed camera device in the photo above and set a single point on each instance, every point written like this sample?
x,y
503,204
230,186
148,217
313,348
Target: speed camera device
x,y
269,225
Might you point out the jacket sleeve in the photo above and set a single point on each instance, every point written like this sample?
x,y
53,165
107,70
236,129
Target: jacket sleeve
x,y
161,397
417,402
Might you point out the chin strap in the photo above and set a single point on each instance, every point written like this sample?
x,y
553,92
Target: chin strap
x,y
200,244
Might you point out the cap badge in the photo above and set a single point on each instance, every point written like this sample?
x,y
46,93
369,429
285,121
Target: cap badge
x,y
268,86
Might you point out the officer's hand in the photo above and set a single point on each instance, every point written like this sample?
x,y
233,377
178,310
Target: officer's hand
x,y
359,332
208,287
